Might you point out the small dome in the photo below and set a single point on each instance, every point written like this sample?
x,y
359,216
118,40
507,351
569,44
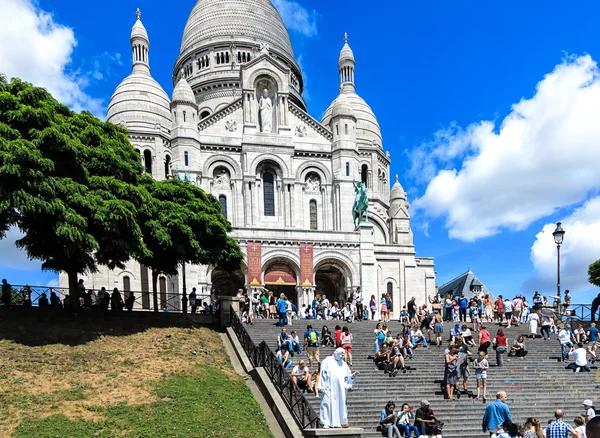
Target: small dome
x,y
346,54
138,30
139,101
342,107
367,127
183,92
397,191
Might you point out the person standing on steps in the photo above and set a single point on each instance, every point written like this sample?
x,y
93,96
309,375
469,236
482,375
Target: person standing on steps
x,y
559,429
484,340
481,366
451,372
564,339
500,345
311,345
335,380
592,335
281,310
358,301
590,412
347,339
462,307
496,413
438,329
595,305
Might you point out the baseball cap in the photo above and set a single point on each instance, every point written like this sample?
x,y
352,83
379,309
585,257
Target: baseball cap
x,y
424,402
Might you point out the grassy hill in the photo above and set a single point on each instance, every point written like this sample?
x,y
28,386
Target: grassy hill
x,y
109,377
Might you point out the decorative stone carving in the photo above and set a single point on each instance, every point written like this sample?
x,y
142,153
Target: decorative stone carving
x,y
313,184
300,131
265,111
221,179
231,125
264,48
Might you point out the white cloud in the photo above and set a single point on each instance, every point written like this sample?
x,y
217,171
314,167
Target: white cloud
x,y
37,49
542,158
297,17
581,247
13,257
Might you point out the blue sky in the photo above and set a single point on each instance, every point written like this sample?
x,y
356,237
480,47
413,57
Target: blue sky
x,y
487,109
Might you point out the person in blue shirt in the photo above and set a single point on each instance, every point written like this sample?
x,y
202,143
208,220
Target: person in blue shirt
x,y
455,333
388,421
462,307
496,413
592,335
281,310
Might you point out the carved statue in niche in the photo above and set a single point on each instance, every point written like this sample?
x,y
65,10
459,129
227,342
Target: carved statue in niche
x,y
265,111
313,184
221,178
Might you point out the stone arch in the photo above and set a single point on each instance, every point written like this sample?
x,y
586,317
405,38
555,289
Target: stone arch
x,y
269,157
380,226
341,260
271,74
222,160
313,166
281,255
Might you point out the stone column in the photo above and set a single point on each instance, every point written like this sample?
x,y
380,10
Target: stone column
x,y
368,270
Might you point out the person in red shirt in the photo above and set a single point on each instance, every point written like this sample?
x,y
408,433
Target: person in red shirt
x,y
484,340
500,308
500,343
338,335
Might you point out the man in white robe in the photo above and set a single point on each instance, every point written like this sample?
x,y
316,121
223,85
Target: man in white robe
x,y
335,380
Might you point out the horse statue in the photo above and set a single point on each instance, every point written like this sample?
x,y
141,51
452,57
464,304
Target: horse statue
x,y
361,204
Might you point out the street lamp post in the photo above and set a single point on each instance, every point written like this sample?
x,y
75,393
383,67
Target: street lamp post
x,y
558,234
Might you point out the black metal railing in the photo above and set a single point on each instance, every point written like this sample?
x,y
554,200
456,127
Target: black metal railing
x,y
262,356
24,295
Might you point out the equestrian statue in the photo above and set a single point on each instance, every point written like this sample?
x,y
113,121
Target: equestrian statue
x,y
361,204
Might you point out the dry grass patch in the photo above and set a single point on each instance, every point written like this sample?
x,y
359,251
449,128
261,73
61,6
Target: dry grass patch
x,y
81,381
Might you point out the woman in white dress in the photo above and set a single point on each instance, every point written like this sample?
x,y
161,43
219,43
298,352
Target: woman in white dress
x,y
533,320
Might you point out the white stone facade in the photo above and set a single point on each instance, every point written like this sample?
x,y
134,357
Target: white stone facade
x,y
281,184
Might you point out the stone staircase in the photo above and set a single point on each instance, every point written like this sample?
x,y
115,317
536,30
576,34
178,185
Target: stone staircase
x,y
536,386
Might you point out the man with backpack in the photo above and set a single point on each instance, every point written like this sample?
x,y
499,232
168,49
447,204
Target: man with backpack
x,y
311,345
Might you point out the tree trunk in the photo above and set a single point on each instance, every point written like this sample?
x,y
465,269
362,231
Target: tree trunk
x,y
154,288
73,289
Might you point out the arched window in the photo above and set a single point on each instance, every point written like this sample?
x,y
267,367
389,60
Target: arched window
x,y
390,288
347,169
227,57
184,117
204,114
364,172
162,287
313,214
269,194
345,126
337,129
240,57
223,201
186,160
126,284
167,166
148,161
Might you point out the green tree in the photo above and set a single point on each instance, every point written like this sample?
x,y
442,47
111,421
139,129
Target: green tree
x,y
594,273
69,182
183,224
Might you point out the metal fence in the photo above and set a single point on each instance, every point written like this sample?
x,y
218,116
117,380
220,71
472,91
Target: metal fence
x,y
263,356
24,295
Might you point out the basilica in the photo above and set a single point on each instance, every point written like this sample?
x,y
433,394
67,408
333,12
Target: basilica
x,y
238,127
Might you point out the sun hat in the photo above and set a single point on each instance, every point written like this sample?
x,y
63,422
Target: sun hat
x,y
588,402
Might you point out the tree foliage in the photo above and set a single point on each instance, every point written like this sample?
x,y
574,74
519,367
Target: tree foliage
x,y
183,224
69,181
594,273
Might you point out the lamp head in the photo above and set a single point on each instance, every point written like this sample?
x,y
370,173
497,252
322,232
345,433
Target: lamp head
x,y
558,234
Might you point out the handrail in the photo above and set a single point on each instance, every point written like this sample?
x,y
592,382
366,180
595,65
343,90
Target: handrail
x,y
144,300
262,356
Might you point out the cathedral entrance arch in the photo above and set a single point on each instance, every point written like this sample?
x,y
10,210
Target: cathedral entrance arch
x,y
333,280
281,277
226,282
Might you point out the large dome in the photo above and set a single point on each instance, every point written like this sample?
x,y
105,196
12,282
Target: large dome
x,y
256,21
139,100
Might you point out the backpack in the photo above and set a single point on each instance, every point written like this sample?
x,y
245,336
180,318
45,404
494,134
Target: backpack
x,y
312,338
380,336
